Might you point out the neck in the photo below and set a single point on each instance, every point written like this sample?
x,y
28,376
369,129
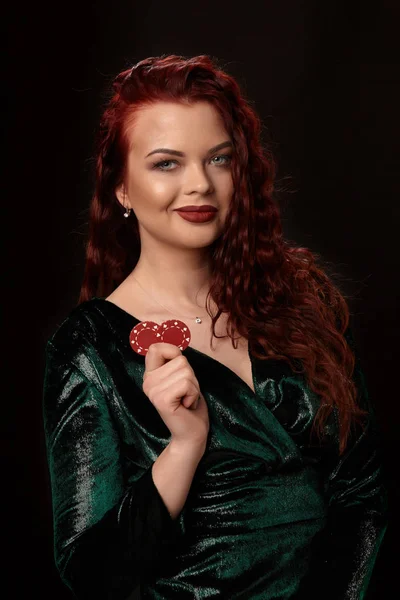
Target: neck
x,y
182,286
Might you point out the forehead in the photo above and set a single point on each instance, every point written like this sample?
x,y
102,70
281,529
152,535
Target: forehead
x,y
175,124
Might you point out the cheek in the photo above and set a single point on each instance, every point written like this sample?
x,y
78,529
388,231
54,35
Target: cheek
x,y
162,188
153,190
224,184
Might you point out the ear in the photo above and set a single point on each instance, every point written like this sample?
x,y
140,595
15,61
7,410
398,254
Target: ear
x,y
121,195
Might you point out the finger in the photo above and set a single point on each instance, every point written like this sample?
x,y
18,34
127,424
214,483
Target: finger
x,y
176,364
173,395
158,354
176,378
194,404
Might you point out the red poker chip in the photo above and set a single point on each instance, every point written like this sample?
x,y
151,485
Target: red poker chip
x,y
146,333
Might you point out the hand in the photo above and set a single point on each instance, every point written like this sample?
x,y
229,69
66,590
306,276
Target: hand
x,y
172,387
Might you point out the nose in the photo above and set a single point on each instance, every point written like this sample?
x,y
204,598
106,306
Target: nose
x,y
197,180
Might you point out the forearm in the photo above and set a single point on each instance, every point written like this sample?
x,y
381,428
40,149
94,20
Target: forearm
x,y
173,473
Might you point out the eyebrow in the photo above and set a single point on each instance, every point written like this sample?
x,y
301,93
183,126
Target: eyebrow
x,y
178,153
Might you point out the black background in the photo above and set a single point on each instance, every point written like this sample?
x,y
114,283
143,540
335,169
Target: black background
x,y
324,77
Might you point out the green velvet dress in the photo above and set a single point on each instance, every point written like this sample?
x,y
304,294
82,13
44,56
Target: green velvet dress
x,y
269,515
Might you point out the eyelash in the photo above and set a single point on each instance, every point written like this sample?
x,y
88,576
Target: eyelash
x,y
162,162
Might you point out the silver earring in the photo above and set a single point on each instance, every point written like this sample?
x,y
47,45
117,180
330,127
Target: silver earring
x,y
127,212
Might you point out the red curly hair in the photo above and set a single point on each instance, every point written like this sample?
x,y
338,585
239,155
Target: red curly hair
x,y
275,293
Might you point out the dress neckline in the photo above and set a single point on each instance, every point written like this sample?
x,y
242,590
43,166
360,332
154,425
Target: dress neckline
x,y
191,349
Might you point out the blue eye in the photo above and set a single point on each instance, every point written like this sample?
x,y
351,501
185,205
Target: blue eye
x,y
226,156
163,164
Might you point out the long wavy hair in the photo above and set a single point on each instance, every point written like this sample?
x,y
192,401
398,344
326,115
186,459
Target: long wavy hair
x,y
276,294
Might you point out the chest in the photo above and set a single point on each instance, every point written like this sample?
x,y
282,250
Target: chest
x,y
222,350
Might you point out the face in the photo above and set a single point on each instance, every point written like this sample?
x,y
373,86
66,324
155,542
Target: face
x,y
158,182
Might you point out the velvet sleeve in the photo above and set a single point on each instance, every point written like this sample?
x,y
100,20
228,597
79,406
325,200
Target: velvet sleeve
x,y
108,534
345,551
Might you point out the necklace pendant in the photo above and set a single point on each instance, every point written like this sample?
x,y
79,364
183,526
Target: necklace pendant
x,y
198,320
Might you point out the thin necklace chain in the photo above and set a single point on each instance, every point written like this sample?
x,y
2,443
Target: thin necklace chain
x,y
196,319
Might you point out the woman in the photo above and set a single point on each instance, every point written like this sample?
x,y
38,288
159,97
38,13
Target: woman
x,y
247,464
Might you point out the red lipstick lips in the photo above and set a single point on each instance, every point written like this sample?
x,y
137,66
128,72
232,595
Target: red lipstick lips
x,y
197,214
192,208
